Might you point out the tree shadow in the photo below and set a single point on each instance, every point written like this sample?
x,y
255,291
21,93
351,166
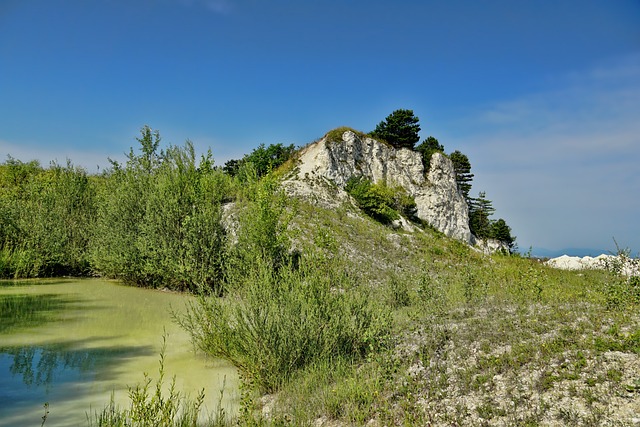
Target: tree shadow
x,y
40,366
21,311
22,283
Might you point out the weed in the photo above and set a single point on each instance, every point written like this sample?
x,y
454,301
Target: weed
x,y
46,413
151,406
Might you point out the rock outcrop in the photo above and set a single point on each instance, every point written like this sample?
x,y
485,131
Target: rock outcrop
x,y
490,246
332,162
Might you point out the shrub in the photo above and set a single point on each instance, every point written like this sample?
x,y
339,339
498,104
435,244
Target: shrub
x,y
264,159
381,202
278,322
159,219
46,217
263,227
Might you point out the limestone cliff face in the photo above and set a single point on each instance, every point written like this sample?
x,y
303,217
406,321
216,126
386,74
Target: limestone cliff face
x,y
438,201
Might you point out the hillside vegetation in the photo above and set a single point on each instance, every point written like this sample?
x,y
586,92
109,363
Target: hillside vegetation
x,y
331,317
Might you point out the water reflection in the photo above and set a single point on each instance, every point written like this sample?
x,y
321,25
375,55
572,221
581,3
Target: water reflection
x,y
4,283
42,366
26,311
72,343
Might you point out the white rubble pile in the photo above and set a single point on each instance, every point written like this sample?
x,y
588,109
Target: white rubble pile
x,y
628,266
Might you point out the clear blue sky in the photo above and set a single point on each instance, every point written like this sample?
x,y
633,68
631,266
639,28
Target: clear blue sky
x,y
543,96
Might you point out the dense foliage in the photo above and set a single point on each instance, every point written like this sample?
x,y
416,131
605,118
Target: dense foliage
x,y
399,129
427,148
159,219
380,201
45,219
264,159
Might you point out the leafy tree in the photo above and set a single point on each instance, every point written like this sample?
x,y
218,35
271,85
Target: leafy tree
x,y
149,141
232,166
462,167
399,129
264,159
427,148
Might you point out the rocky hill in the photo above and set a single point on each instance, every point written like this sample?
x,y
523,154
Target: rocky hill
x,y
324,167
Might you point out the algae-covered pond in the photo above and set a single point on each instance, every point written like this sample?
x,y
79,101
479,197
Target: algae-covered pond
x,y
73,343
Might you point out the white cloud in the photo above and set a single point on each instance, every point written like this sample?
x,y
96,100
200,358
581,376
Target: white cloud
x,y
562,165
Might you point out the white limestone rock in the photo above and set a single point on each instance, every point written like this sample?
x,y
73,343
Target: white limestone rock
x,y
626,266
332,163
490,246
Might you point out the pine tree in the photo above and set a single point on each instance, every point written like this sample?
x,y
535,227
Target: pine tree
x,y
501,231
462,167
399,129
480,210
427,148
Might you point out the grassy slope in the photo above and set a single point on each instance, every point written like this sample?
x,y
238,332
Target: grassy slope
x,y
478,340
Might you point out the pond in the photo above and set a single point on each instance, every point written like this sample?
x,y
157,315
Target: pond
x,y
75,343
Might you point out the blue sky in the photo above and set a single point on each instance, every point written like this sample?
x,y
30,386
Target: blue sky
x,y
543,96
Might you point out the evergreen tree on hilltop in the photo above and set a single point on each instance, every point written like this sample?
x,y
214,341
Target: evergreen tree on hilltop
x,y
399,129
483,227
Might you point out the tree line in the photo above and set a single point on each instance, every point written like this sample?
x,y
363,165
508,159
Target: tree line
x,y
157,219
401,130
154,220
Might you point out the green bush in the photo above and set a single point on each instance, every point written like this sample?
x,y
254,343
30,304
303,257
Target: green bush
x,y
46,217
381,202
160,221
278,322
263,221
264,159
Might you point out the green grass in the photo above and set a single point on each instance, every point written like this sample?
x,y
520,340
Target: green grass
x,y
335,135
364,325
475,339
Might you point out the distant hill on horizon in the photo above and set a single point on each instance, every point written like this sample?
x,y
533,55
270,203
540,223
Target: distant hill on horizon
x,y
579,252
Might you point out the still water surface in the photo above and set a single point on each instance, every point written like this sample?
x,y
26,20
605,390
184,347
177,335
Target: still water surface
x,y
72,343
